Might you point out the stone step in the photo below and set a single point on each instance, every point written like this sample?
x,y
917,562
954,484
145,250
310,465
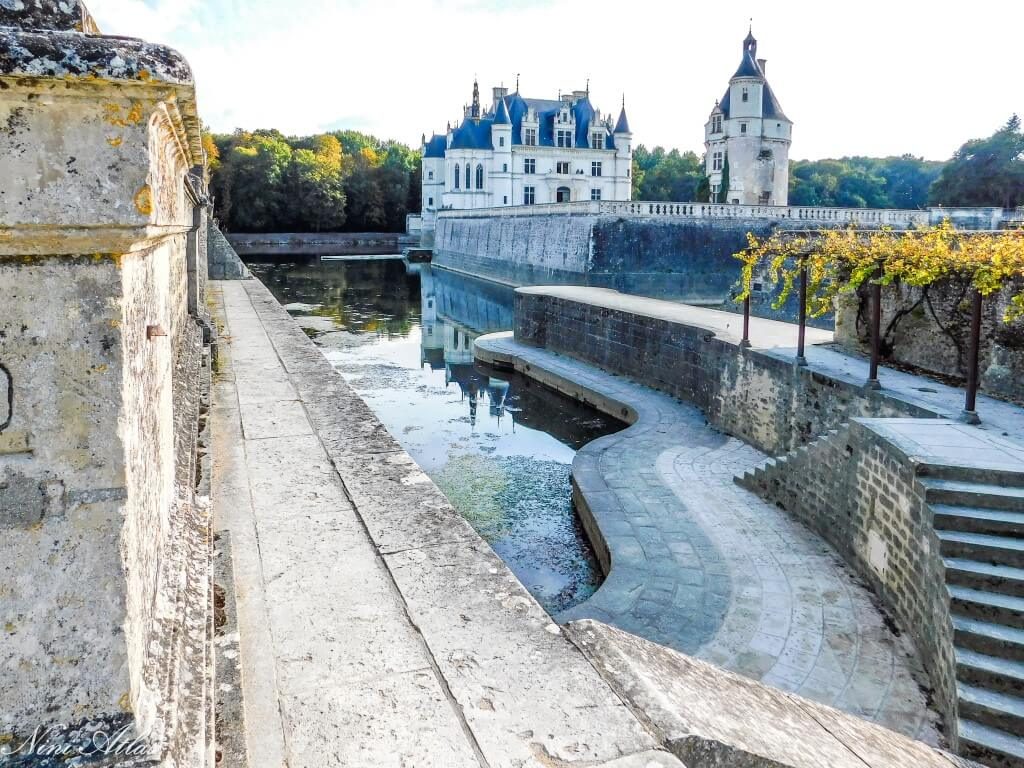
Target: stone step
x,y
995,710
985,576
989,672
991,639
978,520
993,607
990,746
983,547
967,494
1000,477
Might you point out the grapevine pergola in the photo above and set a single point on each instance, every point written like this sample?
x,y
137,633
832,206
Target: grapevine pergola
x,y
825,263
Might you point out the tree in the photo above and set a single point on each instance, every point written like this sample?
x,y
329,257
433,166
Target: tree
x,y
268,182
256,165
723,195
314,188
985,171
666,176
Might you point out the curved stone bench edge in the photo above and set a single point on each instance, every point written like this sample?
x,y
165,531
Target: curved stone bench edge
x,y
597,507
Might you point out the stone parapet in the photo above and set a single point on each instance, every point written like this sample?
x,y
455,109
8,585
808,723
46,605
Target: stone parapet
x,y
101,345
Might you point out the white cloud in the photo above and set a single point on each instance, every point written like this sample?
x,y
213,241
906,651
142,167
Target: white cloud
x,y
875,78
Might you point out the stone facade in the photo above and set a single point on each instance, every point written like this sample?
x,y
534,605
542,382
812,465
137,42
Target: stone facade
x,y
523,151
930,329
105,543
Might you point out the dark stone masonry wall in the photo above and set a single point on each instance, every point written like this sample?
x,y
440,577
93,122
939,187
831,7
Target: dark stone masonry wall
x,y
930,329
223,261
860,493
763,399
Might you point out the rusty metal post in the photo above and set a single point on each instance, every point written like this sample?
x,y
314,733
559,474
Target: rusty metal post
x,y
745,343
970,414
876,330
800,359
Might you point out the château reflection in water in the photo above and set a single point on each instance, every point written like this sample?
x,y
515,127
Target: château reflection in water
x,y
499,445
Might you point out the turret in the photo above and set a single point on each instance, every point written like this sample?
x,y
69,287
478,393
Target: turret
x,y
623,139
748,133
501,143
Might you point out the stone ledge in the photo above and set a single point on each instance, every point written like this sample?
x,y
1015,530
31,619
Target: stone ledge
x,y
709,717
71,55
67,16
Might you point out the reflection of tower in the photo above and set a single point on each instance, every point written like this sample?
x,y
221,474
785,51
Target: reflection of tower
x,y
432,329
496,391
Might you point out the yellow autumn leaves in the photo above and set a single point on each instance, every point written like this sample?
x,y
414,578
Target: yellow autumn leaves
x,y
841,260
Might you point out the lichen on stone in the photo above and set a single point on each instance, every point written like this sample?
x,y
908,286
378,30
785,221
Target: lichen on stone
x,y
72,55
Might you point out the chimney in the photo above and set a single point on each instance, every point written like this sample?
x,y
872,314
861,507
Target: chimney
x,y
577,95
762,63
500,92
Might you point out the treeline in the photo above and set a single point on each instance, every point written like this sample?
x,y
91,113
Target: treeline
x,y
982,172
263,181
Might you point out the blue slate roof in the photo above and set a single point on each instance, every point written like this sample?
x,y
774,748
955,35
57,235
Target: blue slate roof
x,y
748,66
501,116
436,146
473,134
622,126
770,107
476,134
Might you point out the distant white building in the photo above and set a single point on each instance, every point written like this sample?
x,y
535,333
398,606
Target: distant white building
x,y
747,138
527,151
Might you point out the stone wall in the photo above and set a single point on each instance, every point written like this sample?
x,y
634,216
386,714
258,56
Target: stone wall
x,y
930,329
104,543
860,493
223,260
681,251
293,244
757,396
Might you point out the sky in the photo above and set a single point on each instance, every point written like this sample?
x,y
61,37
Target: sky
x,y
872,77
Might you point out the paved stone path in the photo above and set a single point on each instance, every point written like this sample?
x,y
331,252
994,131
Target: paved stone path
x,y
708,568
376,629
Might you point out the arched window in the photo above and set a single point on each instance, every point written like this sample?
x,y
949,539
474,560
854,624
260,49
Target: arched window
x,y
479,177
458,175
467,175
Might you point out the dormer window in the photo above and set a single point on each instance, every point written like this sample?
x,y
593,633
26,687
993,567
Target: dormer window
x,y
597,141
746,93
530,137
563,138
716,124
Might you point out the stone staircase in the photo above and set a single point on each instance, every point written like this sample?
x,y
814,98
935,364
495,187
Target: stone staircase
x,y
979,520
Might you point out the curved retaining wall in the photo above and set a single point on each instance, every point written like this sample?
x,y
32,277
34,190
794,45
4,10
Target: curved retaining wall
x,y
767,401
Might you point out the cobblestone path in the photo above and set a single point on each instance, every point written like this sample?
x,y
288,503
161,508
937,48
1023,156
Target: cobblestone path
x,y
703,566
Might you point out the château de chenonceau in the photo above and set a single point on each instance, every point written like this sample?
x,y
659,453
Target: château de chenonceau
x,y
535,445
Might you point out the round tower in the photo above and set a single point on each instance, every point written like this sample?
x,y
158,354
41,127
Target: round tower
x,y
747,138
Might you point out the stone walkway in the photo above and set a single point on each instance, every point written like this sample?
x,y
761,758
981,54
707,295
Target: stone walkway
x,y
707,568
376,629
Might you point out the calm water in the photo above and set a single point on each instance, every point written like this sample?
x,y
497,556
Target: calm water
x,y
498,445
